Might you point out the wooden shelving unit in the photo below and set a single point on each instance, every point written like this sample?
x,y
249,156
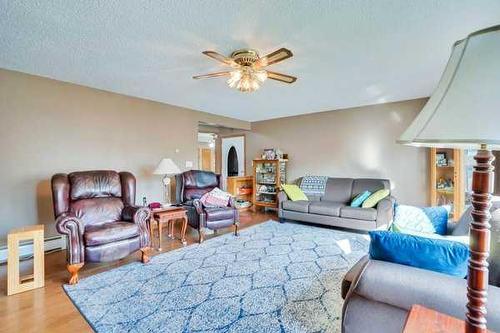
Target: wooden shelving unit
x,y
268,175
241,188
447,180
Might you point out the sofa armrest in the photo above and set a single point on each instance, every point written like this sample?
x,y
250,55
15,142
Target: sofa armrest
x,y
72,227
385,212
402,286
282,197
140,216
352,275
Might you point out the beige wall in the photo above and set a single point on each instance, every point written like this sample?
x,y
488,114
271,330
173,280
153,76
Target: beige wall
x,y
48,126
358,142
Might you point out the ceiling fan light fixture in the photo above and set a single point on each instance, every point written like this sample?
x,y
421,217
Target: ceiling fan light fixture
x,y
247,78
247,73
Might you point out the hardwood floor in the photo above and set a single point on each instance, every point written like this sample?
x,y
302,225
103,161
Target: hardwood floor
x,y
48,309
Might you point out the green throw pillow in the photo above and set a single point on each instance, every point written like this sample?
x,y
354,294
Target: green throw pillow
x,y
294,192
373,199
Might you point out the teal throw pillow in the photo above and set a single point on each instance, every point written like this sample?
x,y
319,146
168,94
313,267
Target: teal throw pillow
x,y
358,200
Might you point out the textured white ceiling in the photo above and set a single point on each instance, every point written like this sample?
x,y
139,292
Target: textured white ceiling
x,y
347,53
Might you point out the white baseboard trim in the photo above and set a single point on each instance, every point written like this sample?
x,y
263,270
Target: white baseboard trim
x,y
26,248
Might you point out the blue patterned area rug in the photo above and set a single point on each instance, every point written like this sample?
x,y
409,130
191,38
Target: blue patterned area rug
x,y
272,278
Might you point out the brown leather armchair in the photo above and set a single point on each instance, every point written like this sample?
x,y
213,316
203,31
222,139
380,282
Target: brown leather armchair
x,y
190,186
96,211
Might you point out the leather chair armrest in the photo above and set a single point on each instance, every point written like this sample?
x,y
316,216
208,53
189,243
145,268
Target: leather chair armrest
x,y
385,212
140,216
402,286
198,206
352,275
232,203
136,214
71,226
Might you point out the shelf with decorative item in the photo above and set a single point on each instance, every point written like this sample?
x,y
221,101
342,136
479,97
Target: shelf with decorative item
x,y
267,193
268,177
447,179
266,203
241,187
445,191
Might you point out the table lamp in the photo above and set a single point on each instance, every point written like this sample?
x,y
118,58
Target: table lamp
x,y
166,167
464,112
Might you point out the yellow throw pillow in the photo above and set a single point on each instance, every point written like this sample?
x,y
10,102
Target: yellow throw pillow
x,y
294,192
373,199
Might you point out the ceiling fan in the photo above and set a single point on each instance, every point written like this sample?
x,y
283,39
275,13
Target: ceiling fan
x,y
247,71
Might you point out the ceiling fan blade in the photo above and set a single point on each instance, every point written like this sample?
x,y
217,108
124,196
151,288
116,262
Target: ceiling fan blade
x,y
281,77
217,74
274,57
221,58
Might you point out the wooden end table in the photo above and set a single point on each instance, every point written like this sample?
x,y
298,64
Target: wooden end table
x,y
422,319
168,216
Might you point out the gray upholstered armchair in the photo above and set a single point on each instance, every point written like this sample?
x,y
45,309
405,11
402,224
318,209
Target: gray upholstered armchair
x,y
96,211
378,295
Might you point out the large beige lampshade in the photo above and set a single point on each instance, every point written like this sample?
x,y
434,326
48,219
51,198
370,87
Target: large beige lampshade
x,y
464,110
166,167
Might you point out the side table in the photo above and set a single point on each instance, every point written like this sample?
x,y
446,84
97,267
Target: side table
x,y
168,216
425,320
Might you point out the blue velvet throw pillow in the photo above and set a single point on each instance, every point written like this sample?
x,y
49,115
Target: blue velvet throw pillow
x,y
437,255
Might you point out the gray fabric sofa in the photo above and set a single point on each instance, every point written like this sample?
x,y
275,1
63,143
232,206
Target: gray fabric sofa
x,y
378,295
333,208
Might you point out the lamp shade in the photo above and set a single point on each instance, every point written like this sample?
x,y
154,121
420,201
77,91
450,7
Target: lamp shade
x,y
464,110
166,167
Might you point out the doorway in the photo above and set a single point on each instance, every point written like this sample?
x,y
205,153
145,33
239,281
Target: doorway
x,y
233,156
206,151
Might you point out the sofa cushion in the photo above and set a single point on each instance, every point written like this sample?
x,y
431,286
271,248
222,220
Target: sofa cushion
x,y
338,190
358,213
219,213
109,232
330,208
297,206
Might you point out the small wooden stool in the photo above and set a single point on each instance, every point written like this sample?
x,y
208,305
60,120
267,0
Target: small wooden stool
x,y
15,283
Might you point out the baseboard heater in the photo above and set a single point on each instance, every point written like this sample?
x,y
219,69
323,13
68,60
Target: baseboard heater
x,y
26,248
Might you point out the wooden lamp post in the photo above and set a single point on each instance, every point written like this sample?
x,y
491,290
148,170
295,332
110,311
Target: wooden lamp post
x,y
464,112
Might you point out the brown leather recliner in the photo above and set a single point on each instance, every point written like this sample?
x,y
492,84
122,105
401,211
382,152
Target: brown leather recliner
x,y
190,186
96,211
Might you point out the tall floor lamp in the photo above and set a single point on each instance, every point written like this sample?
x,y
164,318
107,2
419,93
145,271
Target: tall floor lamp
x,y
166,167
464,112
